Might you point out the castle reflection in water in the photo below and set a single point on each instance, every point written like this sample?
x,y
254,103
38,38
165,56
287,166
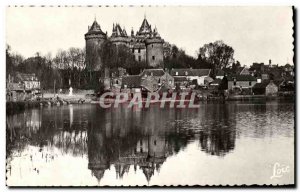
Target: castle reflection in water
x,y
125,138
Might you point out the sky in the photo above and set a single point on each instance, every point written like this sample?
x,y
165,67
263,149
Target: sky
x,y
256,34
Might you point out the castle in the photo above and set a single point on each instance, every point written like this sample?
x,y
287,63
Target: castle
x,y
146,45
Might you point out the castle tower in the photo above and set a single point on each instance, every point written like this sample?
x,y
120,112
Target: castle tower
x,y
154,50
94,40
119,36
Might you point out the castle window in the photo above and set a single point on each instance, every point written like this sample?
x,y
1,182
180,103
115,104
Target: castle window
x,y
140,58
153,57
152,46
139,50
234,83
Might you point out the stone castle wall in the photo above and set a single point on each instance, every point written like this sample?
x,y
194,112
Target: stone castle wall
x,y
155,56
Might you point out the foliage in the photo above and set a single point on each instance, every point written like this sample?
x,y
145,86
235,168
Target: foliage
x,y
218,54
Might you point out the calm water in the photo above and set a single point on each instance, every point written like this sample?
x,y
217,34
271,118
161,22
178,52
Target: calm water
x,y
233,143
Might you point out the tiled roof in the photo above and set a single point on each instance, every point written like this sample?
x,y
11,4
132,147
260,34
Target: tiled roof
x,y
20,77
190,72
95,29
153,72
241,78
244,71
145,28
118,32
131,81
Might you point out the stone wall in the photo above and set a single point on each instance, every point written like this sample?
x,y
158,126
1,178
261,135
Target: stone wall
x,y
93,59
140,52
155,54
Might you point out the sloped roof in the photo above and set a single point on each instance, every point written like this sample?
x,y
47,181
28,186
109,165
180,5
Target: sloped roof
x,y
216,82
263,84
190,72
15,86
132,81
145,28
153,72
241,78
244,71
95,29
20,77
118,32
124,32
220,72
148,172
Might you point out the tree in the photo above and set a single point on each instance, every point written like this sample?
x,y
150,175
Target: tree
x,y
235,67
179,59
9,63
217,53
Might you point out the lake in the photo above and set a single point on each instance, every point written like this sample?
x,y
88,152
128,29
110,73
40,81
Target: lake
x,y
215,144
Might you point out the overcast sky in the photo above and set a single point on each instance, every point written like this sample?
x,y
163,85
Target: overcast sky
x,y
257,34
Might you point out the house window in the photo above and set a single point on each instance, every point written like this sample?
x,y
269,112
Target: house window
x,y
139,50
140,58
152,46
250,83
132,50
153,57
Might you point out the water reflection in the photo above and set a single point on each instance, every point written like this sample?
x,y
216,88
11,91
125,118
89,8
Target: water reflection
x,y
140,138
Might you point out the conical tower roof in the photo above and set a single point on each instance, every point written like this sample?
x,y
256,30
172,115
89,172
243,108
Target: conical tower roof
x,y
145,28
95,29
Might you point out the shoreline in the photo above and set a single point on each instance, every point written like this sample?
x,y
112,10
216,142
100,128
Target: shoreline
x,y
13,107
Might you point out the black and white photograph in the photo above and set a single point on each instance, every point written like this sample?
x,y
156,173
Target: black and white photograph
x,y
144,96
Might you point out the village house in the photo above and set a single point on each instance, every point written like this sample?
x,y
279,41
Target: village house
x,y
30,81
220,74
241,81
131,83
185,76
266,87
149,80
22,86
153,79
245,71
